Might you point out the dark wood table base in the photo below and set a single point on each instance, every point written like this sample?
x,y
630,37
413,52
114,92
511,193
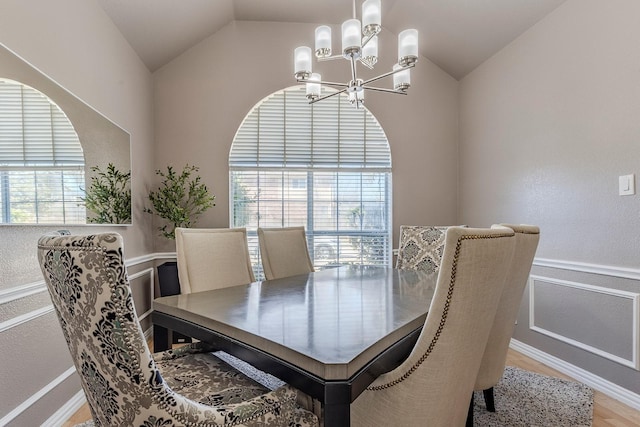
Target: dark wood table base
x,y
336,396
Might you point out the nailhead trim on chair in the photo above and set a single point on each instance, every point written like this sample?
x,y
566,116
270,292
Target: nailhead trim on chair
x,y
445,313
524,232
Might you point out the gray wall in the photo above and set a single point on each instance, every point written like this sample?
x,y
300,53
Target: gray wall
x,y
546,127
202,97
75,44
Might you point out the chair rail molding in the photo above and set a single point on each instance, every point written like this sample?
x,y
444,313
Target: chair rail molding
x,y
21,291
584,267
24,290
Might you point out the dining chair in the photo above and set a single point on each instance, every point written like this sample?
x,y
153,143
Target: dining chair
x,y
212,258
123,382
495,353
432,387
420,248
284,252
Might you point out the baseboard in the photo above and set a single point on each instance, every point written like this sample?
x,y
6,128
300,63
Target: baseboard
x,y
612,390
66,411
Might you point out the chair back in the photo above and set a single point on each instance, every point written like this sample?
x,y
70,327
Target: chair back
x,y
87,280
420,248
212,258
495,354
284,252
434,384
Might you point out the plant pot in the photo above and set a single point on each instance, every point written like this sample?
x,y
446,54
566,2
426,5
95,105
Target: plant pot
x,y
169,284
168,279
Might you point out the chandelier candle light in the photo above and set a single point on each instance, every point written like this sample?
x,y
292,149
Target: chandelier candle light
x,y
359,44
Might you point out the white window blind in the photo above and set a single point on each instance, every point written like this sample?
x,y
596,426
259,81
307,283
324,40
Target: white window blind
x,y
41,159
326,166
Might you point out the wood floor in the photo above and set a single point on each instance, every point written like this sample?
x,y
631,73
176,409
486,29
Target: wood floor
x,y
607,412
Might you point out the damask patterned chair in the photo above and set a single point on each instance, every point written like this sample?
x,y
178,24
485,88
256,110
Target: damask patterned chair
x,y
432,387
420,248
495,354
212,258
284,252
124,384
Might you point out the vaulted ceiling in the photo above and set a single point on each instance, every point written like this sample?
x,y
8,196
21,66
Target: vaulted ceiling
x,y
457,35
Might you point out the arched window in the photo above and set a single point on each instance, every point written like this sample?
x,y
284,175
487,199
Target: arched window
x,y
326,166
41,160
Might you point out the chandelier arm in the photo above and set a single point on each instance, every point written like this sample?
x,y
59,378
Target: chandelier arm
x,y
313,101
329,58
381,76
345,85
382,89
323,83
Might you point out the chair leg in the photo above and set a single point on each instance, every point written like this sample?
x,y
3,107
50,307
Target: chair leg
x,y
470,413
488,399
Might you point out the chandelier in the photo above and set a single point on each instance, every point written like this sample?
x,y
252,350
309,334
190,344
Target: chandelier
x,y
359,44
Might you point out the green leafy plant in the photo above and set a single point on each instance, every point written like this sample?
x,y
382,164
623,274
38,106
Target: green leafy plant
x,y
180,199
242,202
109,196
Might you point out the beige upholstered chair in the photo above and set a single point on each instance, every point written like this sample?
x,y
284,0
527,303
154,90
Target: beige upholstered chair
x,y
495,354
420,248
284,252
432,387
124,383
212,258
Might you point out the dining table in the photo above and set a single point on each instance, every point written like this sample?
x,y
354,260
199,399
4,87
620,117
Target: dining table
x,y
329,333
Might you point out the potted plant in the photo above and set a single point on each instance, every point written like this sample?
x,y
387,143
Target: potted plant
x,y
108,198
179,200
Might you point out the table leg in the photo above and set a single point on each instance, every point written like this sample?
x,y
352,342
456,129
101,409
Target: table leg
x,y
160,338
337,401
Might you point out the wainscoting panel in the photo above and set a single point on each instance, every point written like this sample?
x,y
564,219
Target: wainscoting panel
x,y
142,288
28,321
34,354
600,320
21,303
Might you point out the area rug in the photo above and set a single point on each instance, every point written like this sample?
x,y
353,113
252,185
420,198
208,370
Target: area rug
x,y
522,399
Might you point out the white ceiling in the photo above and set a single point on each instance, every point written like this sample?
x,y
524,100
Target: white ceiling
x,y
457,35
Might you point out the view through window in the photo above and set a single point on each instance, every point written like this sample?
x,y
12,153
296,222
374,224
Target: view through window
x,y
41,160
326,166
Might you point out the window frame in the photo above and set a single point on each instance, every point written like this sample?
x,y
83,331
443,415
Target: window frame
x,y
38,139
355,163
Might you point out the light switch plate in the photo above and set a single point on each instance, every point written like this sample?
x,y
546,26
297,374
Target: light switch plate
x,y
627,185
